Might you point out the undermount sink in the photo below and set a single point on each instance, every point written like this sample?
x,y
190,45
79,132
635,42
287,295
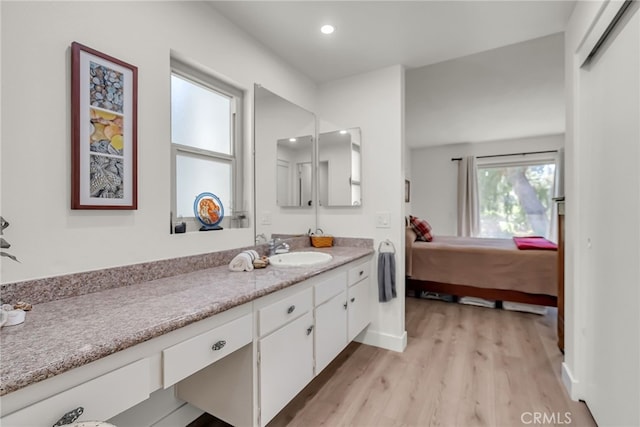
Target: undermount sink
x,y
299,259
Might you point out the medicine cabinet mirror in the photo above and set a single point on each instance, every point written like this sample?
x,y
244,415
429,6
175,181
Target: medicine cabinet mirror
x,y
339,168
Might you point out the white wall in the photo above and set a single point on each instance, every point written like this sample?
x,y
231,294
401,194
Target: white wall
x,y
48,237
434,183
373,102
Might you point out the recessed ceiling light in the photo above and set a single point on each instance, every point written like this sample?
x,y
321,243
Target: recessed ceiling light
x,y
292,140
327,29
343,132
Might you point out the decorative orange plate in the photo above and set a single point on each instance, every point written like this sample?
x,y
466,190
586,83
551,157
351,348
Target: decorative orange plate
x,y
208,209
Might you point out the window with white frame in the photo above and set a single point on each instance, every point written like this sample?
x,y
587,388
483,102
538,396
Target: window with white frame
x,y
205,142
515,197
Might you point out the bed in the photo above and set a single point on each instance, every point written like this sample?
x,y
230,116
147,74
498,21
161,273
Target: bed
x,y
492,269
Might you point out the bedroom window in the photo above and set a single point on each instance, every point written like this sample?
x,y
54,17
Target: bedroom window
x,y
205,142
516,198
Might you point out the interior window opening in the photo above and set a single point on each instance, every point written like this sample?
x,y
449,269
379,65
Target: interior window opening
x,y
206,146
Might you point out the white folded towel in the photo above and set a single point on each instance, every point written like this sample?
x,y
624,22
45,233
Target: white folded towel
x,y
254,254
243,261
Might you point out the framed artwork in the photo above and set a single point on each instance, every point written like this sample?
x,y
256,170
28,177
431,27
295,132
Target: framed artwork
x,y
104,171
407,191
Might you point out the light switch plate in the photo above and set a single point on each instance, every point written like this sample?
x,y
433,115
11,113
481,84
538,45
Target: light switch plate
x,y
266,218
383,220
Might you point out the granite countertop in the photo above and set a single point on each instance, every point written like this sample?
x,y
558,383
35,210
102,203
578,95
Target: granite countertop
x,y
61,335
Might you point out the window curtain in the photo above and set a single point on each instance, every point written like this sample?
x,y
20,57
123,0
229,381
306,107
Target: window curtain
x,y
558,191
468,204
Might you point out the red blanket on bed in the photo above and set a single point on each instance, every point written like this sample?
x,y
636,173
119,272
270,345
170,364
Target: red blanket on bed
x,y
535,242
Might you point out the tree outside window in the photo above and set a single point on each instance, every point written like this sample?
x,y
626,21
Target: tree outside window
x,y
515,199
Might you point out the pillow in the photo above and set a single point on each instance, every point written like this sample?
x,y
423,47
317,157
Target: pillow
x,y
422,228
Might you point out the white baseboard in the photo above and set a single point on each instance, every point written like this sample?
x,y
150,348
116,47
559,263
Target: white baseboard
x,y
382,340
570,383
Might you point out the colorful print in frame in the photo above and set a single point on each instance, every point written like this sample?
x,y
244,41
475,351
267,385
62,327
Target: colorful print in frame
x,y
104,131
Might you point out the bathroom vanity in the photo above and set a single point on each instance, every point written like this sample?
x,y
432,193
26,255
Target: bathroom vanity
x,y
237,345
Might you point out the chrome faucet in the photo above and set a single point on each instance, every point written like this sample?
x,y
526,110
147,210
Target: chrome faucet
x,y
277,246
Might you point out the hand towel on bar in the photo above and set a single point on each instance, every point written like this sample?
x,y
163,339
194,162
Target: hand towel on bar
x,y
243,261
386,276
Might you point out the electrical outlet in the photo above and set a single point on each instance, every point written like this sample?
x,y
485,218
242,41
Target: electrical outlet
x,y
266,218
383,220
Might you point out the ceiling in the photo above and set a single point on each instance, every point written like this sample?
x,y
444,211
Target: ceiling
x,y
511,92
375,34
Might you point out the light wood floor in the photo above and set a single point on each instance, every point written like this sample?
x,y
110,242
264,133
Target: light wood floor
x,y
463,366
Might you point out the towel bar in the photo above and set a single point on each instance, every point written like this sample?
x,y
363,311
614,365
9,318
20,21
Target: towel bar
x,y
388,244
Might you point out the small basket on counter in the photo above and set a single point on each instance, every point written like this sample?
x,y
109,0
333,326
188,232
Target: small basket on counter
x,y
320,240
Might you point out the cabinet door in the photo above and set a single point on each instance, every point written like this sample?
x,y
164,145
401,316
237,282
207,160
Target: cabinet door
x,y
359,314
331,330
286,365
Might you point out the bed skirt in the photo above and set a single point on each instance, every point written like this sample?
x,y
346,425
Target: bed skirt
x,y
485,293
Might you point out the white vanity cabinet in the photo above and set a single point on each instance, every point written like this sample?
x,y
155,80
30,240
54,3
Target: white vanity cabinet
x,y
286,365
342,311
108,386
331,319
303,328
242,365
285,349
358,299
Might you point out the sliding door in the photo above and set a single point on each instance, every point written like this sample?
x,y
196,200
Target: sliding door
x,y
609,135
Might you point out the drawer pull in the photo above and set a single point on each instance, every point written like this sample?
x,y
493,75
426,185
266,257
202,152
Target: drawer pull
x,y
345,305
361,272
309,330
290,309
353,299
69,417
218,346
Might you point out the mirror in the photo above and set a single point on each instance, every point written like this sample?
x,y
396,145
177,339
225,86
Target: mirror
x,y
284,172
339,168
294,182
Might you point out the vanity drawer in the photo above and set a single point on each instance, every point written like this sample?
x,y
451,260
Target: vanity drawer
x,y
359,272
101,398
330,287
188,357
279,313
